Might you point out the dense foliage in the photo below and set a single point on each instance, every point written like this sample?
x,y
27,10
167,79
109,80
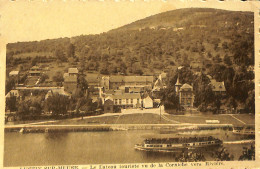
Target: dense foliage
x,y
220,43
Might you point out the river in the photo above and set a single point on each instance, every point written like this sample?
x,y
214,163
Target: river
x,y
35,149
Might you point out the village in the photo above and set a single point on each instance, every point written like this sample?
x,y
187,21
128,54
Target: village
x,y
107,93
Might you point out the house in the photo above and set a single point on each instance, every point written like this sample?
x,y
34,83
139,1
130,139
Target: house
x,y
186,96
104,82
12,93
93,80
73,71
109,105
14,75
218,87
148,102
160,83
65,75
35,68
124,100
59,91
115,82
127,100
185,93
70,83
35,71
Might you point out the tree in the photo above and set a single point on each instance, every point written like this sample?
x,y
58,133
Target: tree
x,y
82,83
11,103
250,102
58,78
59,54
227,60
43,78
233,103
23,108
217,103
169,98
71,51
34,61
10,84
58,104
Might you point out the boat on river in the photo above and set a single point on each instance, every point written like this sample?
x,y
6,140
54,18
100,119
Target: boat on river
x,y
246,130
178,144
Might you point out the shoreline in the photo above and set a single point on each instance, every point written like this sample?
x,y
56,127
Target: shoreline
x,y
111,127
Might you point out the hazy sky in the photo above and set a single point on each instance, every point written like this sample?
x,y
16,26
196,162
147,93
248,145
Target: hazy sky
x,y
37,20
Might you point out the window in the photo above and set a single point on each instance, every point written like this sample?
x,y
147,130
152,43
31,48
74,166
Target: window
x,y
131,101
115,101
137,100
126,101
120,101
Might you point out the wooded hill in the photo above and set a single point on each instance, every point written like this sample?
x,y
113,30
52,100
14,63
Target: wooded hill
x,y
216,42
168,39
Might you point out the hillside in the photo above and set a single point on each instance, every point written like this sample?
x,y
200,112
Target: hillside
x,y
194,37
174,38
215,42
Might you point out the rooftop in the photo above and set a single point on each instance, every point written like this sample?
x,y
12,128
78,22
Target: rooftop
x,y
127,96
70,79
92,78
13,73
131,78
186,87
73,70
217,86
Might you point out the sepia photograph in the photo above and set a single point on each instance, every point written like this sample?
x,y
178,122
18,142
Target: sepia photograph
x,y
128,83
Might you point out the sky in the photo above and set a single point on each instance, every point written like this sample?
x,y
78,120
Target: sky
x,y
38,20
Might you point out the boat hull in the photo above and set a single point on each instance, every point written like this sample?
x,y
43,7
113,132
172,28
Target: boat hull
x,y
176,149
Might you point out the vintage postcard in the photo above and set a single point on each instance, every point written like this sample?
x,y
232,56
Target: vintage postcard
x,y
129,84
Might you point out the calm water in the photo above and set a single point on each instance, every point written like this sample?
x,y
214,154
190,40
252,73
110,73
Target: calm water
x,y
93,147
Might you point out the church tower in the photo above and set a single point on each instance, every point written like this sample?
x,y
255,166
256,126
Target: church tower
x,y
177,86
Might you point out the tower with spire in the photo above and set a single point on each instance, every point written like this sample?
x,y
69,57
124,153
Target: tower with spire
x,y
177,86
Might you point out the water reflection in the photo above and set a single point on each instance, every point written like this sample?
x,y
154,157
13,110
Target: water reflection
x,y
98,147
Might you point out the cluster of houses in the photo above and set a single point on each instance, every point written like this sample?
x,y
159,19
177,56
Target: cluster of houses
x,y
118,92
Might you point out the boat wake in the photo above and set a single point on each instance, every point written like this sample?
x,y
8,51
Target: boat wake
x,y
239,142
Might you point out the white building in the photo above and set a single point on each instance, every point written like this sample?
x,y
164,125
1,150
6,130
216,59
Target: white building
x,y
148,102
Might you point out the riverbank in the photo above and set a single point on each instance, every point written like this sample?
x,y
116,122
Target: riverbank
x,y
112,127
141,121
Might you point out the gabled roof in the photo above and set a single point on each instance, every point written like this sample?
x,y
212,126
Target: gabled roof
x,y
59,91
73,70
217,86
185,87
163,75
148,97
70,79
12,93
13,73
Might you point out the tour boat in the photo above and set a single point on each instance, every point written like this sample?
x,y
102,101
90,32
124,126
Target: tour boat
x,y
178,143
244,130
